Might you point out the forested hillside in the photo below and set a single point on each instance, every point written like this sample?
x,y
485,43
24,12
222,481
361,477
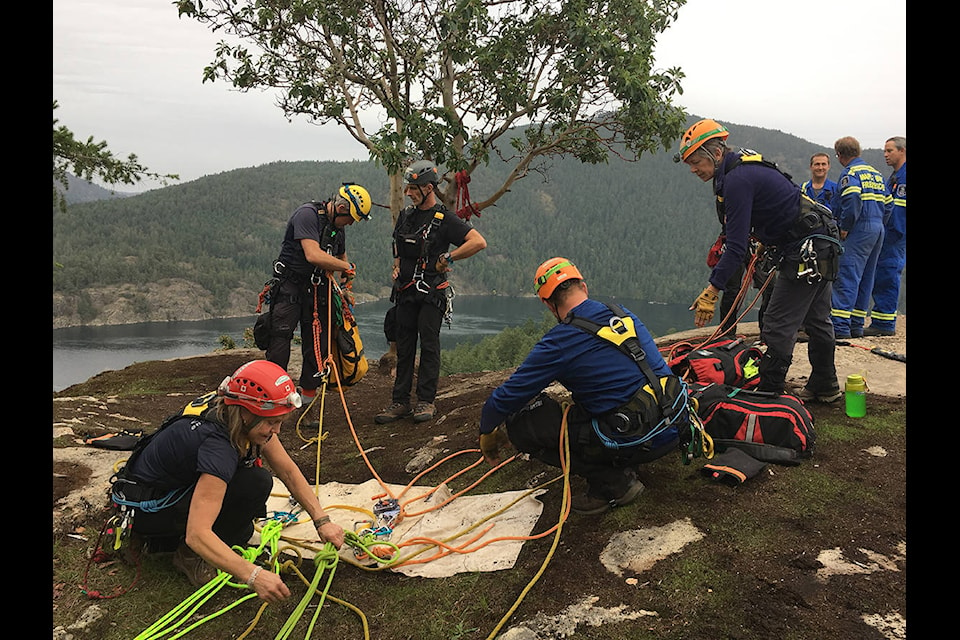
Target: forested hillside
x,y
638,230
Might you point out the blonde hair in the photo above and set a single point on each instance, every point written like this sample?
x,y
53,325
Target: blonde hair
x,y
231,416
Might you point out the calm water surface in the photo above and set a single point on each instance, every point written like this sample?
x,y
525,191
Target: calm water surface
x,y
82,352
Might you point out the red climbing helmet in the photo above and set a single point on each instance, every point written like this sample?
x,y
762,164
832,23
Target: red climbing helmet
x,y
261,387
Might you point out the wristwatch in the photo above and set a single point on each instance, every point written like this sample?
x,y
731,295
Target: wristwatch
x,y
448,258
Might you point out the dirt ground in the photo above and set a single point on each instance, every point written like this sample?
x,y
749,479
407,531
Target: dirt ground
x,y
863,555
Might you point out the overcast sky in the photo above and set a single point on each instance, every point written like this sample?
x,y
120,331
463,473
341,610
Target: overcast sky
x,y
129,72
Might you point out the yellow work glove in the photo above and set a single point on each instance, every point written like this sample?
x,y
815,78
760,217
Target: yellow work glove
x,y
704,306
490,444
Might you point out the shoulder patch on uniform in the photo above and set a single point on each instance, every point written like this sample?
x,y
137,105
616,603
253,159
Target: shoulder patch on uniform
x,y
901,191
844,181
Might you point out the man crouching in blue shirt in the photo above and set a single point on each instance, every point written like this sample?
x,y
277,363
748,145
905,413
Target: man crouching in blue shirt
x,y
602,381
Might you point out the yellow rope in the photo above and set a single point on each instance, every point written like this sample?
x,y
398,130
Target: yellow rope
x,y
564,507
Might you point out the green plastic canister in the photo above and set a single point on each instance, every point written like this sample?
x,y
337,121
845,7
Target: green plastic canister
x,y
856,396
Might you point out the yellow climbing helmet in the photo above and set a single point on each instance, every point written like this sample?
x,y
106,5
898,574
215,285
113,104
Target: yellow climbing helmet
x,y
698,133
551,273
359,200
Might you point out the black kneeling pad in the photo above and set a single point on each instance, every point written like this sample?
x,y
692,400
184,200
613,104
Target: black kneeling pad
x,y
732,467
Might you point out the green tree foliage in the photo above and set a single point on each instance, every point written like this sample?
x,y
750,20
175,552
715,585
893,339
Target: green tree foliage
x,y
637,230
90,159
452,81
504,350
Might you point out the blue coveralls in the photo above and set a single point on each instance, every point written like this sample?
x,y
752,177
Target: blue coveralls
x,y
893,256
826,195
861,206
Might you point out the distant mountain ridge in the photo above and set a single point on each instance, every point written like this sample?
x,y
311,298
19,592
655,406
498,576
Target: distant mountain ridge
x,y
79,191
203,249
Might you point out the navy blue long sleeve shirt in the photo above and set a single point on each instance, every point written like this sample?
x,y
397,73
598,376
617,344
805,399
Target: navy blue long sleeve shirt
x,y
757,199
598,375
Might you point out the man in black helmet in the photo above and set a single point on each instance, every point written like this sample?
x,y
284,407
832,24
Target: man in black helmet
x,y
421,292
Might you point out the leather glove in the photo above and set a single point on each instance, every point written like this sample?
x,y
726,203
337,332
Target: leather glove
x,y
490,444
704,306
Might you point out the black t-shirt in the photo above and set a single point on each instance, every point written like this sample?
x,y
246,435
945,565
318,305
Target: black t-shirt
x,y
188,447
419,224
310,221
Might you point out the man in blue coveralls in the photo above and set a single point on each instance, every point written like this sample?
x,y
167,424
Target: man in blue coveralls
x,y
893,252
861,207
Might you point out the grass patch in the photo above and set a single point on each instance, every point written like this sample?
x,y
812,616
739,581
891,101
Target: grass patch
x,y
841,428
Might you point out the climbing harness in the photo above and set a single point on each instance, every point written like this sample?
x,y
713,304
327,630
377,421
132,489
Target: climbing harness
x,y
663,403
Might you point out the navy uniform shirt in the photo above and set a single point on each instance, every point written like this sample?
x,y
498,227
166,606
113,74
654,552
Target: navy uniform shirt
x,y
310,221
757,199
179,453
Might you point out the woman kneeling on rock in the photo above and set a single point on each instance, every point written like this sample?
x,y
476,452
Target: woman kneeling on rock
x,y
206,465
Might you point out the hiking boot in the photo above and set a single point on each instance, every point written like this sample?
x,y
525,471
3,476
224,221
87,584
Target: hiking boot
x,y
592,505
856,333
827,397
394,412
874,331
190,564
424,412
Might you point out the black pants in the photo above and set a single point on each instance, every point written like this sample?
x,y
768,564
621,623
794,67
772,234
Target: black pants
x,y
536,430
793,304
291,306
419,318
730,292
244,501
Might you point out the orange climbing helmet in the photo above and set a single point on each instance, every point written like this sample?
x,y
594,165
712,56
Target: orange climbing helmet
x,y
553,272
698,133
261,387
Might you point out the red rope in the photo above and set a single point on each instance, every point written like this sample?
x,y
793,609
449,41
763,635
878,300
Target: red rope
x,y
465,208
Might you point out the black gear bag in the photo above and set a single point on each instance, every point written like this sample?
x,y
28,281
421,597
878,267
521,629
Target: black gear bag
x,y
771,427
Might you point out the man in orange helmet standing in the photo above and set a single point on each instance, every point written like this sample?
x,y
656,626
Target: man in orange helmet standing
x,y
603,381
759,201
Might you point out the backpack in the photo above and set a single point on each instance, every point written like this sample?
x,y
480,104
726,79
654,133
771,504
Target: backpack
x,y
347,351
126,492
770,427
656,407
731,361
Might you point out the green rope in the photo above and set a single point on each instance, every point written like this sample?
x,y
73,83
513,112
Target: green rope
x,y
269,536
326,559
367,542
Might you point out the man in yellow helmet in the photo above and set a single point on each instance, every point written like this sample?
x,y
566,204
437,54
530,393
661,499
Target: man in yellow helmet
x,y
759,202
313,248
